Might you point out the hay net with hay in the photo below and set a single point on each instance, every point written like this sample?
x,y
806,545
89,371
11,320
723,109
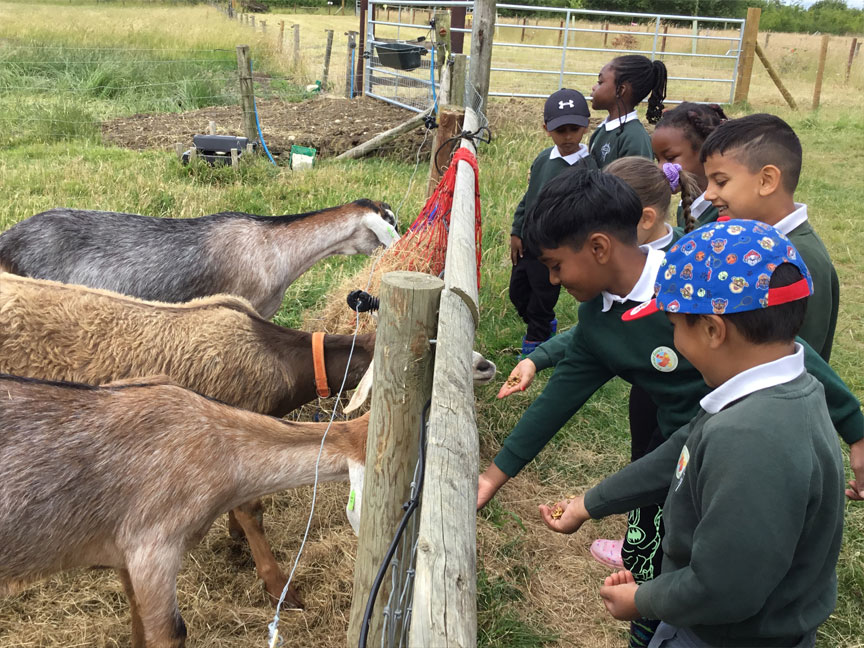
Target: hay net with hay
x,y
423,248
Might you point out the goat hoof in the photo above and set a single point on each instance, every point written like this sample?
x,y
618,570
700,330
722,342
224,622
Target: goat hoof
x,y
292,598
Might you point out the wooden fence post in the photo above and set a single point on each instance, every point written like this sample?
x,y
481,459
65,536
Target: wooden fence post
x,y
247,97
605,32
263,26
767,38
852,50
748,50
561,32
407,321
349,69
281,35
663,42
457,21
326,72
253,22
522,37
775,78
482,33
458,74
820,71
296,57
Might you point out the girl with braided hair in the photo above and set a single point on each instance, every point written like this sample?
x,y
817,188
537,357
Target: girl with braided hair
x,y
678,138
621,85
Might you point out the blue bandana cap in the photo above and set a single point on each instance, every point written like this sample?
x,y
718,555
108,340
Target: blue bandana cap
x,y
723,268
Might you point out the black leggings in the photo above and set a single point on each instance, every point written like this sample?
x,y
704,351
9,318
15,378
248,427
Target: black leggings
x,y
641,552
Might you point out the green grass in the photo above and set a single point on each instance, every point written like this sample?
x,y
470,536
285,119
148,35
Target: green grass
x,y
59,160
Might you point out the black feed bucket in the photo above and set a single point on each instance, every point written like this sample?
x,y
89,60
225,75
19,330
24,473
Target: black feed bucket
x,y
400,56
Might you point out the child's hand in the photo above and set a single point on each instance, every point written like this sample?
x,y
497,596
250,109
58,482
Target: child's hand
x,y
520,378
566,516
856,461
516,252
619,596
488,484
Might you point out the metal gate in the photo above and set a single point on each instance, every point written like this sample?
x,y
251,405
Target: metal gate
x,y
537,50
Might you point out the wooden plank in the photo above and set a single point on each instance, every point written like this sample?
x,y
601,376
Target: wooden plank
x,y
403,384
852,50
458,73
445,588
748,50
775,77
382,138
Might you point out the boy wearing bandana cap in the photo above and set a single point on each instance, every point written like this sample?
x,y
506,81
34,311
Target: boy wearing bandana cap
x,y
753,485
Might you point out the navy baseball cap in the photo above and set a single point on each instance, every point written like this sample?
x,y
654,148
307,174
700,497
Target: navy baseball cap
x,y
725,268
565,107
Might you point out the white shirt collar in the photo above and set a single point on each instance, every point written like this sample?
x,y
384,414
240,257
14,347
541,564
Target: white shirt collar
x,y
663,241
754,379
571,159
699,206
615,123
644,288
793,220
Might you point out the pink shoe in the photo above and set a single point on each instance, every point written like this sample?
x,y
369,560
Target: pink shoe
x,y
608,552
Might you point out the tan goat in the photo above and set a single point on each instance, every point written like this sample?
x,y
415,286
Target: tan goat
x,y
132,476
217,346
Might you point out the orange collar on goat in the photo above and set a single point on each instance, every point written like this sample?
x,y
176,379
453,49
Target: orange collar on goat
x,y
318,362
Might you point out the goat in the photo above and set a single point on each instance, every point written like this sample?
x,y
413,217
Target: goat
x,y
217,346
132,476
179,259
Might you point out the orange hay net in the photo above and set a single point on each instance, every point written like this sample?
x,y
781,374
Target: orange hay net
x,y
424,245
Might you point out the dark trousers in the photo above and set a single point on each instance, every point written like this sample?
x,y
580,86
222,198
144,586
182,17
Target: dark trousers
x,y
641,552
534,297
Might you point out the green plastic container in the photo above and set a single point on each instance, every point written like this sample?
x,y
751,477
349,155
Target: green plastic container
x,y
302,157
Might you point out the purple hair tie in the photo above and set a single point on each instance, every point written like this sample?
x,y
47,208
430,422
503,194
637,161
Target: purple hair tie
x,y
673,175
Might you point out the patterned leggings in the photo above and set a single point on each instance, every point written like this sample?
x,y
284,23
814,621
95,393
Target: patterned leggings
x,y
641,552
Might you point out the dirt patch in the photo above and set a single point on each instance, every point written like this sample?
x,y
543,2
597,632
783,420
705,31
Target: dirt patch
x,y
331,125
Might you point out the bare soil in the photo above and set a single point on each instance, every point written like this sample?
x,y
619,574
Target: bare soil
x,y
331,125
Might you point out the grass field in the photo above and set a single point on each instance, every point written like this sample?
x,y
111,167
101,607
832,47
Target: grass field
x,y
535,588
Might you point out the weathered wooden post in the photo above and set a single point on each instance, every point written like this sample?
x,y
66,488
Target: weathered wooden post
x,y
281,35
748,50
663,42
211,127
852,51
482,33
820,71
605,32
407,321
296,57
327,51
247,96
263,26
253,22
522,36
349,69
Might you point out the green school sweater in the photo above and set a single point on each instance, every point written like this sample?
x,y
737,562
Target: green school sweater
x,y
631,138
820,322
641,352
542,171
753,520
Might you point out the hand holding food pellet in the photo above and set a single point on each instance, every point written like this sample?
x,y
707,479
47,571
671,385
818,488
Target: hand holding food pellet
x,y
566,516
520,378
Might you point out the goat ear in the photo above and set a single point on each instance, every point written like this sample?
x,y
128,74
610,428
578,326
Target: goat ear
x,y
361,394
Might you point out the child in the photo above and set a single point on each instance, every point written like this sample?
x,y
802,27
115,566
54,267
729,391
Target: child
x,y
753,164
621,85
583,228
565,120
678,138
754,510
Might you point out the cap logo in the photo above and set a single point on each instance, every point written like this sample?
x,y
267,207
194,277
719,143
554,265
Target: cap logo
x,y
568,103
664,359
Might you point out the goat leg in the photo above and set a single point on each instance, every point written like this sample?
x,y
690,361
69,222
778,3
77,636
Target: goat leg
x,y
137,626
265,562
235,529
151,579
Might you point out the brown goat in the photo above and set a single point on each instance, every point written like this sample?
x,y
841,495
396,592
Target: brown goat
x,y
132,476
217,346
